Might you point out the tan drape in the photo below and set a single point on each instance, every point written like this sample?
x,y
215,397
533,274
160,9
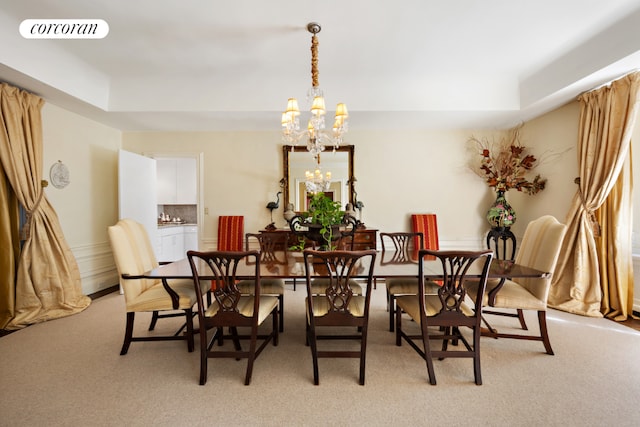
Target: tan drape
x,y
48,280
614,248
10,249
607,118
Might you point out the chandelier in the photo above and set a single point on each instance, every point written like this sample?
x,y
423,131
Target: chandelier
x,y
316,182
315,134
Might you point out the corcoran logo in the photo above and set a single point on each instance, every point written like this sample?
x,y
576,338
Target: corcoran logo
x,y
64,29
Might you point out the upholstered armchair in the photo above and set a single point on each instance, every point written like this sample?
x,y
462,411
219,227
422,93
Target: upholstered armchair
x,y
133,256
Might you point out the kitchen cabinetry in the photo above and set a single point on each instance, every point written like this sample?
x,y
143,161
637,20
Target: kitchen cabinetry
x,y
177,182
176,240
190,238
171,243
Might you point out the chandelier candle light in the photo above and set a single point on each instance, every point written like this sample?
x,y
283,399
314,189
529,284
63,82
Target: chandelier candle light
x,y
315,134
315,182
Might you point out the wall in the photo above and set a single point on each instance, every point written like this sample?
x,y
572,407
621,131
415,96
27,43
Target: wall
x,y
398,173
89,204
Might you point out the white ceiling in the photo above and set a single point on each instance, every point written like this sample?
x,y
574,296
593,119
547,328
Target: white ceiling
x,y
231,65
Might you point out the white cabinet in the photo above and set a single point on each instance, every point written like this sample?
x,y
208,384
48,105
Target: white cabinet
x,y
177,182
171,243
166,181
186,183
190,238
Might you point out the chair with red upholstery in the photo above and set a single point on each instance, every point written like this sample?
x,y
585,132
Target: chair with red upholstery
x,y
230,233
427,224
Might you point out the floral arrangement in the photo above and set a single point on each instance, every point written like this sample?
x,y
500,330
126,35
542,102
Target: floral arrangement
x,y
505,163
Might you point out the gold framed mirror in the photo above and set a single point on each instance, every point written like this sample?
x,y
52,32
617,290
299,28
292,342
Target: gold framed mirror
x,y
297,161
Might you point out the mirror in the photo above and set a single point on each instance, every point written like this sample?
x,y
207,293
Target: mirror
x,y
297,161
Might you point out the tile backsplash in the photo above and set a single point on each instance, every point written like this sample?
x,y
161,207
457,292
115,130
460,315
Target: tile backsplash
x,y
187,213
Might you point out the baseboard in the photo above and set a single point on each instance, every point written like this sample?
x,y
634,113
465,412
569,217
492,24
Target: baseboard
x,y
104,292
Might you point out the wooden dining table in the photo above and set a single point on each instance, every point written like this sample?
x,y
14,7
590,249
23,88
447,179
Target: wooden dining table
x,y
388,264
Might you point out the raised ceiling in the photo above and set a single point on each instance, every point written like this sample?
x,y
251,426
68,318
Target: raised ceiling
x,y
201,65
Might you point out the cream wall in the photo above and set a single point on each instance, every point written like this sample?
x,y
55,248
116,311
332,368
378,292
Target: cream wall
x,y
398,172
90,202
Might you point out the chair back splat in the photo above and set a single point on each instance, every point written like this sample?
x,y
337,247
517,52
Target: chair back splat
x,y
230,308
269,243
405,247
337,304
446,309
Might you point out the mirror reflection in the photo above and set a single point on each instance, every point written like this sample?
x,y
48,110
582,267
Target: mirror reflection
x,y
299,163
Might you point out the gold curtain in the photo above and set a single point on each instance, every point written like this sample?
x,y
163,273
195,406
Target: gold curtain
x,y
592,264
10,244
614,248
48,280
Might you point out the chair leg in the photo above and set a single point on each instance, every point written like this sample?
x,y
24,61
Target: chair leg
x,y
190,342
252,355
128,334
392,311
398,327
274,315
542,320
311,337
154,320
427,353
235,338
281,310
476,355
523,324
363,353
204,349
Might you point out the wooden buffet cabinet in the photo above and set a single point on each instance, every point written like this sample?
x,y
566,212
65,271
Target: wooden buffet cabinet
x,y
364,238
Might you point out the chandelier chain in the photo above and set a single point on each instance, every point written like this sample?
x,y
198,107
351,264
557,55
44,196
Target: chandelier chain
x,y
314,61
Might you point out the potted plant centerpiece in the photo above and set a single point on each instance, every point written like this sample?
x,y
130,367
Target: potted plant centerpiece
x,y
322,222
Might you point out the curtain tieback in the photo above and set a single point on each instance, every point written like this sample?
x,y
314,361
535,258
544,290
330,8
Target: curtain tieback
x,y
595,225
26,228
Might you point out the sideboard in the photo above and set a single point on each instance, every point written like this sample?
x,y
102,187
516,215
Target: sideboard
x,y
364,239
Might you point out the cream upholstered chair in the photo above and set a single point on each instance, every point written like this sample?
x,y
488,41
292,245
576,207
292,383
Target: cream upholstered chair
x,y
134,255
446,309
231,309
539,249
337,305
268,242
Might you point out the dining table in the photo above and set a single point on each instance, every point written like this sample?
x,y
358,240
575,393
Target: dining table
x,y
388,264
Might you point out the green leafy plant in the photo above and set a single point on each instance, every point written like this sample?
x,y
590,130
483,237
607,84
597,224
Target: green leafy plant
x,y
326,213
302,243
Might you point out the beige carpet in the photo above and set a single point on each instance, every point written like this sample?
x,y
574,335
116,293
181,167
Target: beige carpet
x,y
68,372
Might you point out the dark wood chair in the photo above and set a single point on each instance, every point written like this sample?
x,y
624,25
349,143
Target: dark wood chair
x,y
405,247
337,305
229,308
271,256
446,310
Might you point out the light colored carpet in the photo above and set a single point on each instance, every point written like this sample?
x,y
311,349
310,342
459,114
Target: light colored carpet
x,y
68,372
